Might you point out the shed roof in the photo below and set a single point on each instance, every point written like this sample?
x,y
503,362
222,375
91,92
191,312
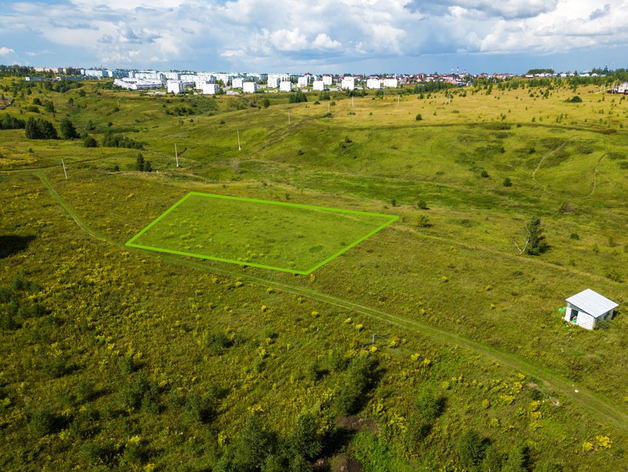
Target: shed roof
x,y
592,302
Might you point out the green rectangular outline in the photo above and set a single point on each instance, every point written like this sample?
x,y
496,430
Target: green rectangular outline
x,y
391,219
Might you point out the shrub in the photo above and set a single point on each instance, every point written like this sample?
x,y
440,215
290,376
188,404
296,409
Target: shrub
x,y
358,380
428,405
423,221
471,448
201,409
217,343
574,99
418,117
422,205
507,182
484,174
266,103
90,142
119,141
44,422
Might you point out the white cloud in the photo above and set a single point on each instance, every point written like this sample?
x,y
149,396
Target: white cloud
x,y
212,34
288,40
324,42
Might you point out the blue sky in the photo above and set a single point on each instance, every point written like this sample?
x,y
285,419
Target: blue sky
x,y
347,36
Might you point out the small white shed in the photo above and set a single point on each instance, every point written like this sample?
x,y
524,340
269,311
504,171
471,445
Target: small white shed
x,y
587,307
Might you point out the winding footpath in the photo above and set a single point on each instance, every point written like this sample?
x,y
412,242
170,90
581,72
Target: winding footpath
x,y
595,403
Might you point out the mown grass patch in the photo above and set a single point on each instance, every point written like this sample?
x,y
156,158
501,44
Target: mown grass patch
x,y
271,235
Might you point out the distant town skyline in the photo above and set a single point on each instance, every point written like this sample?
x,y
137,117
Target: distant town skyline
x,y
351,36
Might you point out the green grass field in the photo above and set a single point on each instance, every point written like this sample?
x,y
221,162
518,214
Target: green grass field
x,y
272,235
119,358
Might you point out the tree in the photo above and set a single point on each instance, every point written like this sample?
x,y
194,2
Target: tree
x,y
68,131
517,460
471,448
305,440
535,243
142,165
40,129
266,103
252,448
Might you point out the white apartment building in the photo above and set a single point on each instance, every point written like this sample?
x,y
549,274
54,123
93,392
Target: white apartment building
x,y
249,87
237,82
390,83
285,86
318,85
273,82
175,86
210,89
303,82
172,75
373,84
328,80
96,73
348,83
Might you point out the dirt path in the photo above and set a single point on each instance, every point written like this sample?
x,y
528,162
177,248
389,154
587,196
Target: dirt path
x,y
548,154
595,171
593,402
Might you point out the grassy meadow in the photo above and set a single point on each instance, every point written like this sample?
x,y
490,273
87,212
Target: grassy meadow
x,y
432,345
258,233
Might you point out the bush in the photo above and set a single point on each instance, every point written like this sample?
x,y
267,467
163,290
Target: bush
x,y
43,423
358,380
217,343
574,99
471,448
484,174
428,405
422,205
418,117
201,409
119,141
507,182
423,221
90,142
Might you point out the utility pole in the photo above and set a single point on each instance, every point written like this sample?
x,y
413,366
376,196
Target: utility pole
x,y
176,154
239,147
64,171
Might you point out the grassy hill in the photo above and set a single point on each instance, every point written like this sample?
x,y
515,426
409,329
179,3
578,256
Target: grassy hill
x,y
432,345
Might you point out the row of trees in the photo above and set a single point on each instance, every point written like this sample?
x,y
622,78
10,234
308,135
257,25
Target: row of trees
x,y
39,128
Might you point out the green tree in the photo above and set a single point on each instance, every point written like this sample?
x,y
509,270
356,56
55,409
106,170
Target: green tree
x,y
266,103
493,460
68,131
471,448
535,241
252,448
305,440
517,460
359,379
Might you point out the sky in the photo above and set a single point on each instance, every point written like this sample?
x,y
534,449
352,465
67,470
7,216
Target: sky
x,y
321,36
